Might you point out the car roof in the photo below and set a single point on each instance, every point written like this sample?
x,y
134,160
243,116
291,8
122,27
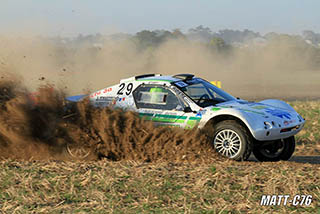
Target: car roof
x,y
160,78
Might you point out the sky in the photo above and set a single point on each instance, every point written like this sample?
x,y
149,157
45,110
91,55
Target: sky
x,y
72,17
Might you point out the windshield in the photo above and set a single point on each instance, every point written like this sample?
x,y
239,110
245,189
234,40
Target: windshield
x,y
203,93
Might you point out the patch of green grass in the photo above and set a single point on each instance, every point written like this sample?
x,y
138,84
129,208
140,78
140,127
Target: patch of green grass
x,y
213,169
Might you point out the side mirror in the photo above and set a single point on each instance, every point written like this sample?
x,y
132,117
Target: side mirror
x,y
187,109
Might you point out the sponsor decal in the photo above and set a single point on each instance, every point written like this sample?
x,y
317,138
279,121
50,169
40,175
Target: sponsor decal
x,y
95,94
104,99
279,113
181,84
215,109
201,112
107,90
114,101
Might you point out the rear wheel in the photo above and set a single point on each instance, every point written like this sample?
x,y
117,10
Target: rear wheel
x,y
275,150
78,152
231,140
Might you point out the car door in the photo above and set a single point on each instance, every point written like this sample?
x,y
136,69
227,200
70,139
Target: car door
x,y
162,106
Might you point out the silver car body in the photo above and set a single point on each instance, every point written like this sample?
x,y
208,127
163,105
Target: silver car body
x,y
266,120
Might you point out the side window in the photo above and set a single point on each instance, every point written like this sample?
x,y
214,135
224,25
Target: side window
x,y
156,97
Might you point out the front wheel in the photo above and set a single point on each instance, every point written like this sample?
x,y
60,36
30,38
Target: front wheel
x,y
275,150
231,140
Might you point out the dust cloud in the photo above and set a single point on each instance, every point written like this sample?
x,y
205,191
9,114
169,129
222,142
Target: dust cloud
x,y
53,71
276,70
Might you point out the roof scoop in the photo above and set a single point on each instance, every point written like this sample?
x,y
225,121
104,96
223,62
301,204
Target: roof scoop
x,y
139,77
184,76
147,75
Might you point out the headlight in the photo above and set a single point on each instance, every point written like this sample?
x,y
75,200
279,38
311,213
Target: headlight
x,y
267,125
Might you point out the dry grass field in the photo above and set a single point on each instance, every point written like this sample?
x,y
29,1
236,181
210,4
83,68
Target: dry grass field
x,y
200,186
308,140
130,187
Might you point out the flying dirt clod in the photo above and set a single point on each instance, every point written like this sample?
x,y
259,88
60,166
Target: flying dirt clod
x,y
41,131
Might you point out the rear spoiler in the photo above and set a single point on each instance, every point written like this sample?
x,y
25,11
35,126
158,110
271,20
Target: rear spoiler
x,y
76,98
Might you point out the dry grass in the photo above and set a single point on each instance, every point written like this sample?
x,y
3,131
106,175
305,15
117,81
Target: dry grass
x,y
220,186
308,140
130,187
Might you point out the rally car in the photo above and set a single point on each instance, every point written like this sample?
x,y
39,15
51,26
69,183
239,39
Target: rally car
x,y
239,127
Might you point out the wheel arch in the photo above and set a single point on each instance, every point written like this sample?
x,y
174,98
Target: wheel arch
x,y
247,144
217,119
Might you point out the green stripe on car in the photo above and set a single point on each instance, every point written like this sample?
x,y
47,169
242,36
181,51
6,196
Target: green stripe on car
x,y
171,116
195,118
164,120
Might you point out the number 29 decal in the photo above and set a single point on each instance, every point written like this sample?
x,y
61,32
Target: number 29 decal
x,y
123,87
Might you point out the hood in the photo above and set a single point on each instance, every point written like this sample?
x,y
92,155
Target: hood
x,y
262,109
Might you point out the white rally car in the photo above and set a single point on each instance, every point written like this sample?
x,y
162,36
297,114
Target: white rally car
x,y
239,127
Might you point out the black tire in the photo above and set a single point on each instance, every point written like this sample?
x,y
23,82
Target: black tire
x,y
238,149
276,150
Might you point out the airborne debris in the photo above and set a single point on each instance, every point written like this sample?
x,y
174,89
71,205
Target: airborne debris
x,y
43,130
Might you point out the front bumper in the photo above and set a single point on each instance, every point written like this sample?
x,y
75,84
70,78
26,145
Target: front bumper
x,y
275,133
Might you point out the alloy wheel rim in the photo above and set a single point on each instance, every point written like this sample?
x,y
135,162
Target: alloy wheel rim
x,y
228,143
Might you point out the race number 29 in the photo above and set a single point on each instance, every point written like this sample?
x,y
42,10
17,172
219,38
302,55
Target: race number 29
x,y
122,88
278,200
